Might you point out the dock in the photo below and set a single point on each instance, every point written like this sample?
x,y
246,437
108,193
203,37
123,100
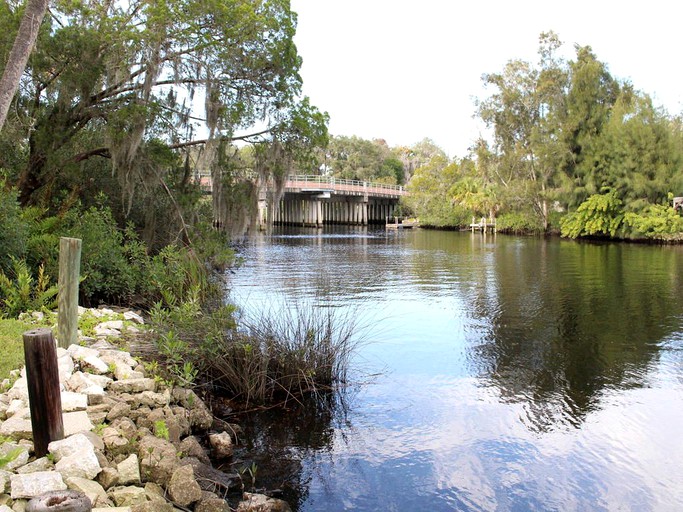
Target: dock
x,y
483,225
401,223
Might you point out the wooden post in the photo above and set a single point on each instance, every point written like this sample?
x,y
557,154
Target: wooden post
x,y
69,274
45,400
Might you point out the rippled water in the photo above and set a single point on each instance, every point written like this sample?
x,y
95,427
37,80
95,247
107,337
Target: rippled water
x,y
499,373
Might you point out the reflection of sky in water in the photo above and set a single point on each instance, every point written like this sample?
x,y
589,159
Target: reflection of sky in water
x,y
433,431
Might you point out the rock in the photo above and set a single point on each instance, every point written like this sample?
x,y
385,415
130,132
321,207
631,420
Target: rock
x,y
158,459
123,371
4,481
210,478
81,464
152,399
94,364
16,406
110,324
94,491
18,455
261,503
75,422
79,352
129,470
119,410
190,447
127,496
126,427
133,385
94,439
114,442
212,505
69,446
41,464
153,507
221,444
183,487
80,382
19,391
201,417
109,477
74,401
16,428
35,484
131,316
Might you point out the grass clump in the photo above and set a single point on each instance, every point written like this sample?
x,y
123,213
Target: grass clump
x,y
11,341
277,355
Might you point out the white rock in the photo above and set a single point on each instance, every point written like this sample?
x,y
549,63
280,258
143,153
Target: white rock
x,y
16,406
74,401
65,364
133,317
17,428
117,357
78,352
19,454
111,324
34,484
132,385
69,446
99,313
81,464
19,390
80,381
75,422
110,509
5,508
93,490
95,364
124,371
129,471
4,481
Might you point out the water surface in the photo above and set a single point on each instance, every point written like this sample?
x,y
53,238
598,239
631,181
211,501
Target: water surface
x,y
500,373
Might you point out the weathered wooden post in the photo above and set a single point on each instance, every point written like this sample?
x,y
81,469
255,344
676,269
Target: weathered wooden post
x,y
45,400
69,275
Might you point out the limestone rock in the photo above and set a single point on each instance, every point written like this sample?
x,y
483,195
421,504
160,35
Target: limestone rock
x,y
131,316
17,454
190,447
4,481
16,428
153,507
201,417
110,324
158,459
119,410
41,464
183,487
127,496
221,444
114,442
129,471
69,446
261,503
94,491
81,464
133,385
74,401
35,484
108,478
212,505
75,422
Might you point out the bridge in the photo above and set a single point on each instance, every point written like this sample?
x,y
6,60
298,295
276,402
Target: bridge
x,y
312,200
318,200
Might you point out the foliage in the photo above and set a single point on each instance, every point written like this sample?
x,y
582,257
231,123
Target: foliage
x,y
600,214
12,354
519,223
22,292
13,228
657,222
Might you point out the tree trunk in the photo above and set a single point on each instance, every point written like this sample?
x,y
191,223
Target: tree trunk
x,y
18,57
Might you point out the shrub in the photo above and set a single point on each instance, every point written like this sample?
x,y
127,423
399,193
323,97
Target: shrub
x,y
520,223
22,292
600,214
13,228
655,222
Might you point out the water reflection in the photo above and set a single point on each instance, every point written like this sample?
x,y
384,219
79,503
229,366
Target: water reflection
x,y
520,374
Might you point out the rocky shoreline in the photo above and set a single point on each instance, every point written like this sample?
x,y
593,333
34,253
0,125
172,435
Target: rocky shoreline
x,y
131,442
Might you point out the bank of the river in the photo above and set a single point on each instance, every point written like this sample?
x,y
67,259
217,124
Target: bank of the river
x,y
132,442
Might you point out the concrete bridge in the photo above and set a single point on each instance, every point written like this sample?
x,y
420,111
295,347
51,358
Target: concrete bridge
x,y
312,200
318,200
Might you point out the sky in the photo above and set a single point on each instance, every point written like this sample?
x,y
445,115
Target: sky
x,y
404,70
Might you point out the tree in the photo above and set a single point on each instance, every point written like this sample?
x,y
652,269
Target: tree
x,y
18,57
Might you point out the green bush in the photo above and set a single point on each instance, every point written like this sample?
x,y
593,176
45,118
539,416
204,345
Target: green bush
x,y
600,214
13,228
520,223
655,222
20,291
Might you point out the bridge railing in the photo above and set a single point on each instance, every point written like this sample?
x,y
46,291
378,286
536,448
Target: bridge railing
x,y
340,182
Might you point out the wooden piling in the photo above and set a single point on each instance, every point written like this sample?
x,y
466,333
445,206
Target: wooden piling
x,y
45,400
69,276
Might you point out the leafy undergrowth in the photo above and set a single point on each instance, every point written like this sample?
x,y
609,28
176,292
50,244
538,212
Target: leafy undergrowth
x,y
12,343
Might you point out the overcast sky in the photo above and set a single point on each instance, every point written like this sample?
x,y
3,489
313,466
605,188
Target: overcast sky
x,y
405,70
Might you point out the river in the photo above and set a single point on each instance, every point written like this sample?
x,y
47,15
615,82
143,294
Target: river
x,y
496,373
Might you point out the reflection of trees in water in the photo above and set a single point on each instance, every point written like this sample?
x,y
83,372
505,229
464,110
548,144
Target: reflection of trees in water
x,y
277,440
556,323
